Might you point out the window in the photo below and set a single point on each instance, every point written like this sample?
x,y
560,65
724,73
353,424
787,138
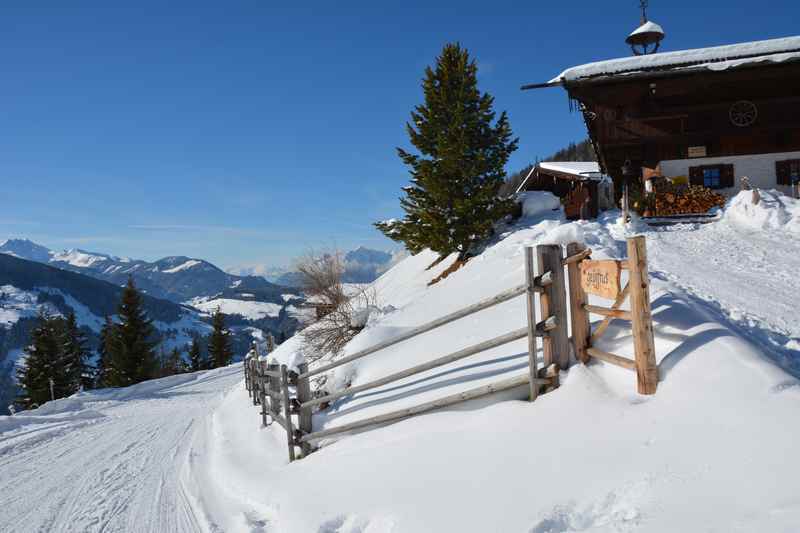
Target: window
x,y
788,172
711,177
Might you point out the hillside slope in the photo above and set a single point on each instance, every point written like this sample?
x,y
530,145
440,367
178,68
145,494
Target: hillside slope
x,y
713,450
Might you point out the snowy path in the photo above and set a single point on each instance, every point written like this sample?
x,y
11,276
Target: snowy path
x,y
750,278
110,463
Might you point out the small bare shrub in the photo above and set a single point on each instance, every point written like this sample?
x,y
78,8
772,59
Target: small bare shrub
x,y
342,306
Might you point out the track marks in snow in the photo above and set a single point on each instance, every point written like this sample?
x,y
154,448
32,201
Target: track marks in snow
x,y
116,470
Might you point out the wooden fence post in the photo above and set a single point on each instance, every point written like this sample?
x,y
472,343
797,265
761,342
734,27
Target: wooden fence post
x,y
530,297
553,301
274,387
287,412
262,392
255,382
305,416
247,384
642,321
581,328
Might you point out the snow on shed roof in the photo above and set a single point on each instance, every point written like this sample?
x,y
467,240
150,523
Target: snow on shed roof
x,y
572,167
714,58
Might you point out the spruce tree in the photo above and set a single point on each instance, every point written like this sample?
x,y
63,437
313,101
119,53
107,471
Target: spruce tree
x,y
173,364
76,355
132,355
104,351
219,350
196,359
452,202
43,371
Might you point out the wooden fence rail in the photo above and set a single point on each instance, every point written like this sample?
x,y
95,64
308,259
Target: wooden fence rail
x,y
284,394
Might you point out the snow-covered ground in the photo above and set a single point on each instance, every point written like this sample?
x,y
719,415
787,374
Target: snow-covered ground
x,y
113,460
248,309
713,450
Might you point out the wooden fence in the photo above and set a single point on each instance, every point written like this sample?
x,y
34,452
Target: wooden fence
x,y
283,393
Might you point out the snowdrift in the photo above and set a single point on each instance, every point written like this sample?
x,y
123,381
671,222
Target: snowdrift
x,y
593,455
773,212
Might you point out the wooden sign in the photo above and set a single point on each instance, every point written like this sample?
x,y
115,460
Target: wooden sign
x,y
601,278
697,151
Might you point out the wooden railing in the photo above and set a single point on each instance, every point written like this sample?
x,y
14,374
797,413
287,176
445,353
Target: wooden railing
x,y
283,393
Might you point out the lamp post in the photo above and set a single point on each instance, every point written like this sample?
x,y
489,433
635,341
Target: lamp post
x,y
627,177
647,37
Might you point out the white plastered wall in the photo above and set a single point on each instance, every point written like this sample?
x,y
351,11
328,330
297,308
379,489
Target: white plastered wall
x,y
759,168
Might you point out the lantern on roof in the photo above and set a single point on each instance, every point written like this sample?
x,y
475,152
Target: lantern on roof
x,y
647,37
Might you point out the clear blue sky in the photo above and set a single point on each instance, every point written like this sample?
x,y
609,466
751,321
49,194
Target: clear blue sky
x,y
249,132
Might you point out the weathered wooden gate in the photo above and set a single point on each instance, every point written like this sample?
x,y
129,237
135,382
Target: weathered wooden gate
x,y
603,279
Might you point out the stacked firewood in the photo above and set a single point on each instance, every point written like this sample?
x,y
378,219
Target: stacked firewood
x,y
671,199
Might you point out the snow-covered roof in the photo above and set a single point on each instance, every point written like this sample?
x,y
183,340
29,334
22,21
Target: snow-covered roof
x,y
582,168
715,58
587,169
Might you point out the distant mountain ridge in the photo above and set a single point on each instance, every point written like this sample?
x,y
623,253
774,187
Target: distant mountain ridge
x,y
362,265
175,278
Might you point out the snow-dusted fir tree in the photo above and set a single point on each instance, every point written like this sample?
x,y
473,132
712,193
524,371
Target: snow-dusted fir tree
x,y
43,371
104,351
452,201
173,363
131,354
219,342
196,359
76,355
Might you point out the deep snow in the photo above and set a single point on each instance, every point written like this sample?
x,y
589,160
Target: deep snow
x,y
713,450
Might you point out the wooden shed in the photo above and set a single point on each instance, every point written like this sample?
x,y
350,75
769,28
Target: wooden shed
x,y
583,189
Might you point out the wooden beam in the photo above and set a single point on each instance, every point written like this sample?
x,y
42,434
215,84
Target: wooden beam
x,y
441,361
581,328
606,311
402,414
643,339
530,300
603,326
474,308
553,302
287,414
614,359
306,414
576,257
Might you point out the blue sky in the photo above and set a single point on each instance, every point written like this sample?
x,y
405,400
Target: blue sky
x,y
251,132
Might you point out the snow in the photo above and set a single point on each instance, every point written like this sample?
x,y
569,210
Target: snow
x,y
572,167
713,450
248,309
774,212
78,258
714,58
183,266
15,304
648,27
537,202
110,460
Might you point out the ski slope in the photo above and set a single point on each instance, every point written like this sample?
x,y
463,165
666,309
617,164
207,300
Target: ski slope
x,y
713,450
107,460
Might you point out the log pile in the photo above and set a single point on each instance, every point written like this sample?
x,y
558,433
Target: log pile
x,y
670,199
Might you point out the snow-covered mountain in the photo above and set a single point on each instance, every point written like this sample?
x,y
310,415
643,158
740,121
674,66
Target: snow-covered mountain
x,y
176,278
362,265
90,285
